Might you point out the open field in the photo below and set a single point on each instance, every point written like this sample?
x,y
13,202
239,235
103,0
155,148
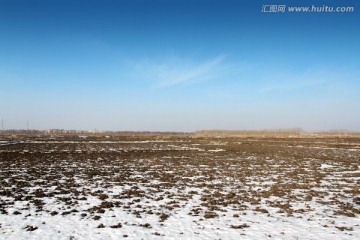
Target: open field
x,y
179,188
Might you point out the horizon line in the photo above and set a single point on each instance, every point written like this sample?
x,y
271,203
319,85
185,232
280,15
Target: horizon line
x,y
298,130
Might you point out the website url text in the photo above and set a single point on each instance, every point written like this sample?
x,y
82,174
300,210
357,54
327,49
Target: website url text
x,y
308,9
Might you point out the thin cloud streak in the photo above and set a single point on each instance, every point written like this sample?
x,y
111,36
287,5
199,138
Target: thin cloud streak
x,y
176,72
308,79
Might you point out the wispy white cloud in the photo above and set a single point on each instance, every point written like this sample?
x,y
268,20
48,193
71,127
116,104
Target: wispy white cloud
x,y
175,72
324,78
286,81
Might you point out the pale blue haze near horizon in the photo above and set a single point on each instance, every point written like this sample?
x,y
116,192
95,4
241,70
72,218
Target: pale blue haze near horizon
x,y
178,65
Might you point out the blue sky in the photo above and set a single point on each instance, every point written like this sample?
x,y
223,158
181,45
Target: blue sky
x,y
178,65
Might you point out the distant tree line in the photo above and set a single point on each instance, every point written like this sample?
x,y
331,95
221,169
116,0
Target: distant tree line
x,y
251,133
291,132
86,132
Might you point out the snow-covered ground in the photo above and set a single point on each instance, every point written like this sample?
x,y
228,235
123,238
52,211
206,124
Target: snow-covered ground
x,y
179,189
